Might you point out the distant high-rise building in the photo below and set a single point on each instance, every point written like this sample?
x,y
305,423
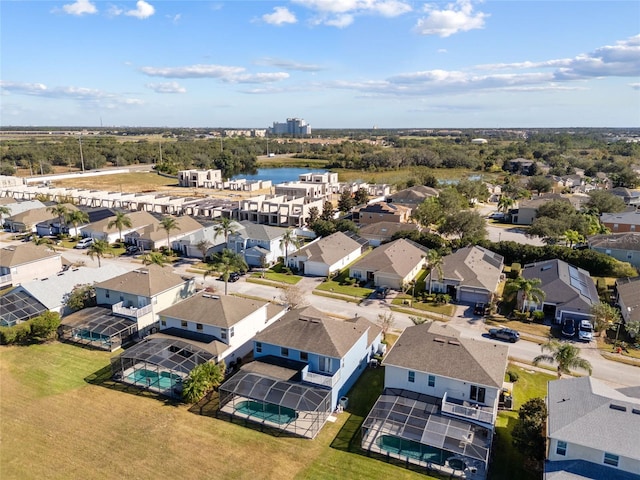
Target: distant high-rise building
x,y
293,126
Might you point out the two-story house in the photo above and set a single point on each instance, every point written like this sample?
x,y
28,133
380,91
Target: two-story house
x,y
592,431
305,363
261,245
205,327
628,298
142,293
628,221
381,212
440,400
27,262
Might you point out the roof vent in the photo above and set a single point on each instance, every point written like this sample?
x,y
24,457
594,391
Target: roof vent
x,y
545,267
439,340
453,342
620,408
636,411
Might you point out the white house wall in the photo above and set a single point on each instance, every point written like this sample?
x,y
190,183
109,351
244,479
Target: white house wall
x,y
580,452
44,268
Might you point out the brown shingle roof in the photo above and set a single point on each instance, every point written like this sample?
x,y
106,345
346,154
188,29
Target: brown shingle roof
x,y
398,257
474,266
138,220
310,330
26,253
440,350
146,282
330,249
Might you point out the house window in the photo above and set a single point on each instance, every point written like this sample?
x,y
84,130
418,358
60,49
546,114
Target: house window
x,y
633,228
163,322
223,334
324,364
107,293
183,324
477,393
412,377
258,347
284,351
561,448
611,459
198,326
432,381
615,226
231,332
304,356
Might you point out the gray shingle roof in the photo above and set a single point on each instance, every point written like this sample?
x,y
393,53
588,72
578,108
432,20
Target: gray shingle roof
x,y
254,231
330,249
616,241
626,218
629,292
147,282
398,257
439,349
474,266
310,330
386,229
580,412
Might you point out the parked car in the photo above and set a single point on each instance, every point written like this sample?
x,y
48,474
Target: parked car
x,y
585,331
233,277
480,309
84,243
507,334
132,249
568,328
381,292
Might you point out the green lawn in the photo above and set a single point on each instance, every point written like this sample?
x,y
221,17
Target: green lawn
x,y
440,308
337,285
278,277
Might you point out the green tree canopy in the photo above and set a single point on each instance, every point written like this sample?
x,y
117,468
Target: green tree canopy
x,y
99,249
225,263
467,224
529,433
120,222
201,380
565,355
603,201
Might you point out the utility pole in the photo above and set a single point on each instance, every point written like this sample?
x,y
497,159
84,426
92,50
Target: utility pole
x,y
81,156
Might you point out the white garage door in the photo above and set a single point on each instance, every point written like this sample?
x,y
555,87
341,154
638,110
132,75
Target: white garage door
x,y
466,296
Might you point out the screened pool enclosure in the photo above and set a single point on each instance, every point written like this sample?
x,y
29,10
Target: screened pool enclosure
x,y
286,405
98,327
159,364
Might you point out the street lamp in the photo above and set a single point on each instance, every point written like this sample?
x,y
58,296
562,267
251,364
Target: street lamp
x,y
615,344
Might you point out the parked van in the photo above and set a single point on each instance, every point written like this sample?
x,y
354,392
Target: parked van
x,y
84,243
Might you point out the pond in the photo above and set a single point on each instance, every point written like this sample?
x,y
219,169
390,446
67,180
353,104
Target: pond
x,y
277,175
455,182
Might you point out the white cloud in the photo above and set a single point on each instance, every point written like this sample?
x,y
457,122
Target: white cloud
x,y
342,13
258,77
635,86
114,11
167,87
457,17
279,17
175,18
80,7
143,10
340,21
225,73
289,65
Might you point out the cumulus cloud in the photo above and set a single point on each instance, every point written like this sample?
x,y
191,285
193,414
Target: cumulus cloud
x,y
167,87
635,86
80,7
342,13
279,17
87,96
225,73
340,21
456,17
289,65
143,10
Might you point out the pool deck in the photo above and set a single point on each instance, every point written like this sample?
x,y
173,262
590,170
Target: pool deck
x,y
152,388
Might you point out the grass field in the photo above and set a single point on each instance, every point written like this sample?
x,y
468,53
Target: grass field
x,y
125,182
60,421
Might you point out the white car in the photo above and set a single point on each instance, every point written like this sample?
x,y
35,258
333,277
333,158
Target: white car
x,y
84,243
585,331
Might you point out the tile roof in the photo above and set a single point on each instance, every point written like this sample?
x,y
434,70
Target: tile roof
x,y
439,349
399,257
147,282
474,267
310,330
330,249
217,310
16,255
581,412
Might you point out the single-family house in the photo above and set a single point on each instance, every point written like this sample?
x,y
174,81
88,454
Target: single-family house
x,y
100,229
470,275
412,196
154,235
26,262
522,166
629,196
527,210
382,232
381,212
305,363
191,245
392,265
622,246
261,245
440,400
211,327
16,208
327,255
592,431
628,221
569,291
28,220
142,293
628,298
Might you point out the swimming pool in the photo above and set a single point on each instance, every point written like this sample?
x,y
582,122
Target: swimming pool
x,y
92,336
150,378
266,411
409,448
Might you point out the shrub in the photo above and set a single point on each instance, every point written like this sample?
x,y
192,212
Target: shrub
x,y
512,376
537,316
516,268
522,316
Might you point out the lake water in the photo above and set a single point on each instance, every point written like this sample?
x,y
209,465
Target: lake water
x,y
277,175
455,182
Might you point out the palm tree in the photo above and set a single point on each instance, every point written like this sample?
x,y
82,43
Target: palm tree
x,y
168,224
565,355
572,237
121,221
528,287
204,245
76,217
100,249
155,258
4,210
225,263
505,203
289,238
60,211
435,261
226,227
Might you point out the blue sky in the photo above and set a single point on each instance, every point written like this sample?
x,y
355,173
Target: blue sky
x,y
335,63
